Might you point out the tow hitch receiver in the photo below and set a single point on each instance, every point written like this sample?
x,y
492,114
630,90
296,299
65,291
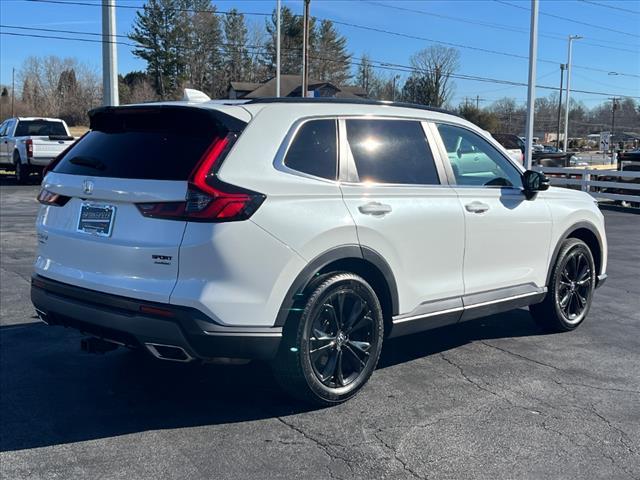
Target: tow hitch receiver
x,y
96,345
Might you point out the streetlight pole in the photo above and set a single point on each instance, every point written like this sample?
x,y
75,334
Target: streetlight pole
x,y
109,54
305,49
531,88
566,110
13,88
278,49
562,67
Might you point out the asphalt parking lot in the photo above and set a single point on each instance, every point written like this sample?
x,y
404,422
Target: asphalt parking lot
x,y
494,398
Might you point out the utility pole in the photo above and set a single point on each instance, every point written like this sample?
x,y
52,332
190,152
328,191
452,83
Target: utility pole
x,y
278,49
478,100
393,96
13,88
562,67
109,54
531,88
305,49
614,107
566,110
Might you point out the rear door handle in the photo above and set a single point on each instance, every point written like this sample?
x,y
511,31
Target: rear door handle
x,y
476,207
375,208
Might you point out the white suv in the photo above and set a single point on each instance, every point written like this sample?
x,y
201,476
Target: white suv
x,y
304,232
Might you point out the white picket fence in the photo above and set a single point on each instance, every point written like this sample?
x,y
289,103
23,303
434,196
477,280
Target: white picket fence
x,y
589,181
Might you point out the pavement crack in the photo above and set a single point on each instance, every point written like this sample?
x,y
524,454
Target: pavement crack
x,y
398,458
624,439
528,359
323,446
466,377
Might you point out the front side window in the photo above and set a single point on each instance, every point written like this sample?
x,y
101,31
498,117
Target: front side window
x,y
475,162
314,149
3,128
391,151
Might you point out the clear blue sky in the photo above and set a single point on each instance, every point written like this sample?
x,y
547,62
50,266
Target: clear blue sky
x,y
611,43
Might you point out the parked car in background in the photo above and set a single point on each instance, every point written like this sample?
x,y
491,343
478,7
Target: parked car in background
x,y
512,144
29,144
303,231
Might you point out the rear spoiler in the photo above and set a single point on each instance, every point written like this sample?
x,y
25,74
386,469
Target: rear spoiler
x,y
120,118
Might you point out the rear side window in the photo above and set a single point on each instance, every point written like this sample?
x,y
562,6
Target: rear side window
x,y
162,143
36,128
314,150
391,151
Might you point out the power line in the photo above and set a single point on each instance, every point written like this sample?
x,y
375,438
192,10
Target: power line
x,y
612,7
591,25
136,7
381,65
368,28
497,26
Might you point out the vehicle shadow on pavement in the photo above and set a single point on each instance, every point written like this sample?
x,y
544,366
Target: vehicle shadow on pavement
x,y
52,393
9,178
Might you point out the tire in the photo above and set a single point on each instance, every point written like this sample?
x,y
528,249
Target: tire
x,y
22,170
571,287
330,351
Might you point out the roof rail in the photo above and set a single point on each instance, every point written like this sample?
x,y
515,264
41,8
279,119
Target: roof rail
x,y
349,101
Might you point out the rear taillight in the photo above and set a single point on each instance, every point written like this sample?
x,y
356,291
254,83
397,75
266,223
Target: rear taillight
x,y
46,197
208,198
29,144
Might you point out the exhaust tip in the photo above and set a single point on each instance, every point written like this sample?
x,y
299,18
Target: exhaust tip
x,y
42,316
172,353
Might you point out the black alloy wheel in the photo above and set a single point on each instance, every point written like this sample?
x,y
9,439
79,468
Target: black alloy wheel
x,y
570,288
329,351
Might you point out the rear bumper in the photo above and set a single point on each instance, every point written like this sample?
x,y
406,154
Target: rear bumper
x,y
137,323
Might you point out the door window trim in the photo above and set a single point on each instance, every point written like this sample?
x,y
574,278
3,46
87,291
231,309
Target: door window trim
x,y
444,157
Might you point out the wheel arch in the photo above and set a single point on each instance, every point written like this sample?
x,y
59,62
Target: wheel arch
x,y
362,261
588,233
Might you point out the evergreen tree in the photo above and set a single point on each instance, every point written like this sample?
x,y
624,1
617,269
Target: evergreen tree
x,y
236,55
330,60
156,30
200,34
291,36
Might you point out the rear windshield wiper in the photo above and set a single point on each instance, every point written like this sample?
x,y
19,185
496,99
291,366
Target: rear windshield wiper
x,y
88,162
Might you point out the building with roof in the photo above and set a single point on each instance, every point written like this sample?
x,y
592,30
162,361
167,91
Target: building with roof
x,y
291,86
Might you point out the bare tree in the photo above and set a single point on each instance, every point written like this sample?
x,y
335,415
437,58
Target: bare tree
x,y
430,81
55,87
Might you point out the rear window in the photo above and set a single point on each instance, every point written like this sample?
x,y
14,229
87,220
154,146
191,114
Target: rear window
x,y
35,128
162,143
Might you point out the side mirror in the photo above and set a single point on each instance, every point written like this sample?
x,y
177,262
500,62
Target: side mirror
x,y
533,182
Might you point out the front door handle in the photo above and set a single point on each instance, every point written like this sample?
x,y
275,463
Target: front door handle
x,y
476,207
375,208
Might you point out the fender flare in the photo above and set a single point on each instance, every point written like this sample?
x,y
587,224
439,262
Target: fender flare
x,y
343,252
567,233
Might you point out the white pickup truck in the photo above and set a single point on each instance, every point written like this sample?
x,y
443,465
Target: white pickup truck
x,y
29,144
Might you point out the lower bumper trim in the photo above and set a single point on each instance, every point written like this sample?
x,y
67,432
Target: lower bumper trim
x,y
119,319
